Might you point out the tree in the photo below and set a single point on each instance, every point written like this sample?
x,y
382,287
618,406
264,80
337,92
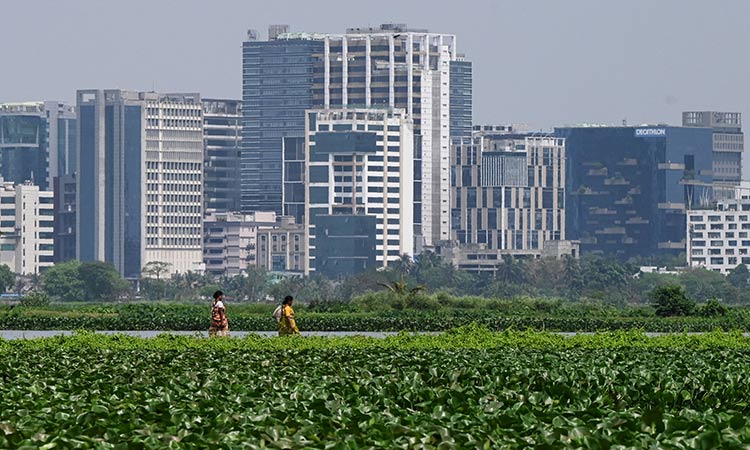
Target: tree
x,y
7,278
63,281
739,277
671,300
702,285
101,282
401,288
155,269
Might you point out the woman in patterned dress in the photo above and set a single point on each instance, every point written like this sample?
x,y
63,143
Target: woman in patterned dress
x,y
219,323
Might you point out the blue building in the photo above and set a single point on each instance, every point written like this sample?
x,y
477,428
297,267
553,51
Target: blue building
x,y
277,78
461,104
627,188
37,142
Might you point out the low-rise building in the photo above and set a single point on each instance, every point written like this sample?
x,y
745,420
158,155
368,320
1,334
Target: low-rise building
x,y
281,246
26,228
234,242
479,258
719,237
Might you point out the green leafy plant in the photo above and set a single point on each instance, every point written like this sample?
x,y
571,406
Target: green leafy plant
x,y
671,300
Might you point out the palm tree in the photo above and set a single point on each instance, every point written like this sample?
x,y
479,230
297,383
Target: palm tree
x,y
401,287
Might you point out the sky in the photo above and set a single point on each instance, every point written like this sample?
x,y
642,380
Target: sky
x,y
542,63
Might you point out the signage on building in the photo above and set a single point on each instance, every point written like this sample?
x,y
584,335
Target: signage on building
x,y
650,132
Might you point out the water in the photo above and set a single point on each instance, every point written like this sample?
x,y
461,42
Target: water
x,y
31,334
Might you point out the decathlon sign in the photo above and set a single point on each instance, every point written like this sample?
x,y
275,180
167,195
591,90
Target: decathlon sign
x,y
650,132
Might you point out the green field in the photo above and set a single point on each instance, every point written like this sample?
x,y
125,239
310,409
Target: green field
x,y
468,388
257,317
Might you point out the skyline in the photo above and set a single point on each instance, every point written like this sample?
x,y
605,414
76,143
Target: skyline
x,y
652,62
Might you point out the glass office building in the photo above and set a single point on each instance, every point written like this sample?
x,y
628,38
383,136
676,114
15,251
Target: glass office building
x,y
221,158
277,77
627,188
461,99
37,142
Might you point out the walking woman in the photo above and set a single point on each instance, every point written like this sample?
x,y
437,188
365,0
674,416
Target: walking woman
x,y
219,323
287,324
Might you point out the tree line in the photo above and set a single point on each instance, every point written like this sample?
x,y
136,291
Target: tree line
x,y
590,278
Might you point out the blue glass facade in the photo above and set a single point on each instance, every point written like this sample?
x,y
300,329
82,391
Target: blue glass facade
x,y
277,78
221,157
345,244
461,99
24,149
116,201
87,183
627,187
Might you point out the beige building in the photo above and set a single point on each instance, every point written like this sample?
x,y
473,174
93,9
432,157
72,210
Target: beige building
x,y
234,242
140,179
26,228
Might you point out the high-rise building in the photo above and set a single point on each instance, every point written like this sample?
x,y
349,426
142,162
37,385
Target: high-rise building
x,y
222,139
719,236
26,227
37,142
728,146
461,103
359,163
398,67
392,66
277,77
140,177
508,191
65,218
627,188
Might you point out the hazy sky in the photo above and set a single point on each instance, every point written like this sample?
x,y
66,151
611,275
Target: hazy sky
x,y
543,63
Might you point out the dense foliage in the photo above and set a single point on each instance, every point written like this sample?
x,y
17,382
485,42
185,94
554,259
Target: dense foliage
x,y
589,279
509,390
497,315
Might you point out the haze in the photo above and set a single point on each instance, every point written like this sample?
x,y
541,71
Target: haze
x,y
542,63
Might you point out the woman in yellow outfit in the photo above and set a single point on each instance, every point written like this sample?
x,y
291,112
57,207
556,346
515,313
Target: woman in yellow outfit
x,y
287,324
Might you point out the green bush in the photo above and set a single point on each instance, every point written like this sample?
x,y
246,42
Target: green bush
x,y
712,308
671,300
35,299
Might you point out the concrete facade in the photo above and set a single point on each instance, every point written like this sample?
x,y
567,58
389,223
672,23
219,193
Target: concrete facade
x,y
140,175
728,147
508,190
360,161
719,238
26,228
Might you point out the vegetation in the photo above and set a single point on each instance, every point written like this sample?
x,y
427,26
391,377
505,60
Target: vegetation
x,y
89,281
35,299
671,300
464,389
7,278
437,313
